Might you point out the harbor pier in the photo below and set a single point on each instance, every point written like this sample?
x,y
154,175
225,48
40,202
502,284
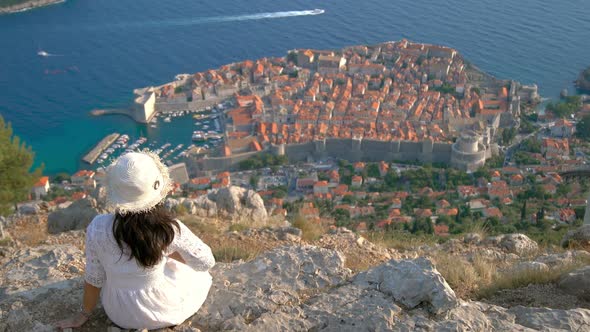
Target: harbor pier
x,y
100,147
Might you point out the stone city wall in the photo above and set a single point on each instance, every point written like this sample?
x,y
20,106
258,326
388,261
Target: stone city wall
x,y
164,107
368,150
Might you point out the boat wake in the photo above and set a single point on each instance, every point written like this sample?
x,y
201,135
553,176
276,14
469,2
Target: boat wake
x,y
44,54
221,19
263,16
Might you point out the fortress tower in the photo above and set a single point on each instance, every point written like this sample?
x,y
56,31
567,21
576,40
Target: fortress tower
x,y
278,150
144,106
356,143
468,153
320,145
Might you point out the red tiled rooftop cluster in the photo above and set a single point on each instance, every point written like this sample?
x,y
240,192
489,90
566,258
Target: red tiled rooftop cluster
x,y
384,92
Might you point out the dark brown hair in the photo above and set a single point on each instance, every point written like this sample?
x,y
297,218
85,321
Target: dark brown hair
x,y
146,234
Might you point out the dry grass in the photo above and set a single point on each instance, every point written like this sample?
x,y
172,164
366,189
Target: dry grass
x,y
464,277
229,252
479,228
200,227
512,280
180,210
227,247
239,227
358,262
401,240
485,269
6,241
482,278
311,230
30,231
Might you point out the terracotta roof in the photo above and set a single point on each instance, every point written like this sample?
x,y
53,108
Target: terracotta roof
x,y
43,181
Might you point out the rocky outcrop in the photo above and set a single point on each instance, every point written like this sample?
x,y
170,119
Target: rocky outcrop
x,y
360,252
290,288
33,271
235,204
577,282
545,319
472,238
33,208
263,292
411,283
528,267
518,244
76,216
564,258
577,237
238,203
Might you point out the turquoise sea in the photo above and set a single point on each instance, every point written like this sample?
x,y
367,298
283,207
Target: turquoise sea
x,y
104,49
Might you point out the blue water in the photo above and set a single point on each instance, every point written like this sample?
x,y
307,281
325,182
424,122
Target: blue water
x,y
106,48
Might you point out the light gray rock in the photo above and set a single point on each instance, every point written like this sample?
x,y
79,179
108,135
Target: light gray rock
x,y
478,316
491,254
411,283
518,244
100,195
289,234
580,236
268,283
524,267
545,319
29,208
189,205
472,238
234,203
352,308
171,203
76,216
291,288
492,241
568,257
2,235
33,271
205,207
577,282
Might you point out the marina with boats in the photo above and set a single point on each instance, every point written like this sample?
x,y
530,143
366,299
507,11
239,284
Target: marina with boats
x,y
206,136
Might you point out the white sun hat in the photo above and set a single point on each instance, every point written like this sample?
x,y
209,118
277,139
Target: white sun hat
x,y
136,182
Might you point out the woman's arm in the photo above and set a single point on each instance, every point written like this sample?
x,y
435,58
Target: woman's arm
x,y
192,250
94,278
91,294
89,302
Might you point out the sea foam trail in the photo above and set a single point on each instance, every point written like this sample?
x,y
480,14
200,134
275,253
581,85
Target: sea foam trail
x,y
217,19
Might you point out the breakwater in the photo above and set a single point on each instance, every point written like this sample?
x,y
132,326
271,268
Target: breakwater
x,y
28,5
91,156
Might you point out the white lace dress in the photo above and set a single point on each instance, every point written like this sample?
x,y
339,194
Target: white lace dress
x,y
137,298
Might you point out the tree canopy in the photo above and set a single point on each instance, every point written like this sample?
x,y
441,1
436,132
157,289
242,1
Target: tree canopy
x,y
583,127
565,108
16,176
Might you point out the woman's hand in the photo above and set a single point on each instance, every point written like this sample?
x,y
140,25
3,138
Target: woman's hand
x,y
76,320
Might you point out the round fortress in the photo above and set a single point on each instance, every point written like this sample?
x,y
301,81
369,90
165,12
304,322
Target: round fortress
x,y
468,152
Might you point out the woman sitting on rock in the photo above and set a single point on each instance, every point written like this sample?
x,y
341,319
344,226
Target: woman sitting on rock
x,y
152,270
